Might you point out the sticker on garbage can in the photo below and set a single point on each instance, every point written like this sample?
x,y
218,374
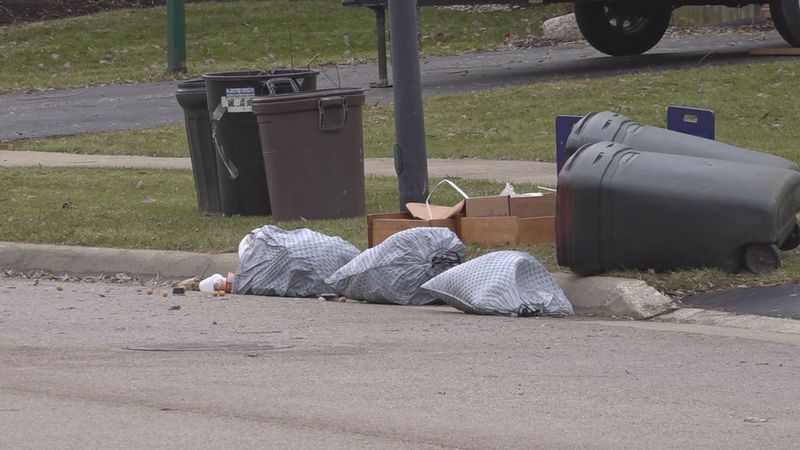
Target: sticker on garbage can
x,y
239,99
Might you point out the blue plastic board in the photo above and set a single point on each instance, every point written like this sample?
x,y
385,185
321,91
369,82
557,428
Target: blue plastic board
x,y
693,121
564,126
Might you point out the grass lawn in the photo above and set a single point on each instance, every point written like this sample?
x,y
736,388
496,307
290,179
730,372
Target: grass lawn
x,y
157,209
130,45
517,122
82,206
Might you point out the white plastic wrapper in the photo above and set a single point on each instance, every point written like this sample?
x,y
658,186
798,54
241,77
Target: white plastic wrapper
x,y
506,283
393,271
290,263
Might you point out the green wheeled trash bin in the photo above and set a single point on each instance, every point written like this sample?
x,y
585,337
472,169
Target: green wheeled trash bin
x,y
313,153
191,95
612,127
621,208
240,166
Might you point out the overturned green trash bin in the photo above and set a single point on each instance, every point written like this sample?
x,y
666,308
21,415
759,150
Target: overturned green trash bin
x,y
612,127
621,208
313,149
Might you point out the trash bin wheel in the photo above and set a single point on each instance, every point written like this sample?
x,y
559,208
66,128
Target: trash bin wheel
x,y
623,28
762,258
793,240
786,16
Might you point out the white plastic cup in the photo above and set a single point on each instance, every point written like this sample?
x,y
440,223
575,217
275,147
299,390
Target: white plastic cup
x,y
211,283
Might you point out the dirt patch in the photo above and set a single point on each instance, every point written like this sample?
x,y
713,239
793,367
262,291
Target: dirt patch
x,y
16,11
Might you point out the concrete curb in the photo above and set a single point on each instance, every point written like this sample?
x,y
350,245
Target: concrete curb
x,y
596,296
614,297
93,260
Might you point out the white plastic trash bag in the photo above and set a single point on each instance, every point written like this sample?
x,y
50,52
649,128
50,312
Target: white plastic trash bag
x,y
393,271
246,241
501,283
290,263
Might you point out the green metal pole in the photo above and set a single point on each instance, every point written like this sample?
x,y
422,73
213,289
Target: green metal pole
x,y
176,36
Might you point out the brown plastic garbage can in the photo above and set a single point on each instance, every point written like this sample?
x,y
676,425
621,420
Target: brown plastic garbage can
x,y
313,148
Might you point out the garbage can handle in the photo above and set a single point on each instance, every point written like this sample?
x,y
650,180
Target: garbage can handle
x,y
233,171
330,102
273,83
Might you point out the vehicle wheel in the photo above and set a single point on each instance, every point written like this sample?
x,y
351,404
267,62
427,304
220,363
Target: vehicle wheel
x,y
786,16
762,258
793,240
622,28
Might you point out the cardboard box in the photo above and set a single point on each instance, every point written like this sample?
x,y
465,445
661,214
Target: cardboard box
x,y
493,220
533,206
492,206
508,230
536,230
488,230
424,211
381,226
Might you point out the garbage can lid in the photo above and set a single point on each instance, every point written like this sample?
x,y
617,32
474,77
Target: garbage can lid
x,y
194,83
191,94
305,100
249,75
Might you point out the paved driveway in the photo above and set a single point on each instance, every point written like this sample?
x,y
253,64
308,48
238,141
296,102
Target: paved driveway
x,y
121,107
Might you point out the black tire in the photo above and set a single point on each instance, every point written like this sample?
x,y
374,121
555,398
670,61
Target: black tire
x,y
786,16
793,240
620,29
762,258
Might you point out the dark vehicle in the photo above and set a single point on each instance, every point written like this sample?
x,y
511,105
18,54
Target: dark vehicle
x,y
626,27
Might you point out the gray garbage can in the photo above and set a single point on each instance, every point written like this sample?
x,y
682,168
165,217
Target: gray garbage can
x,y
617,207
613,127
313,150
191,95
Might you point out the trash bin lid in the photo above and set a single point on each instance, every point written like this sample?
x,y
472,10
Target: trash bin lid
x,y
249,75
192,94
305,101
194,83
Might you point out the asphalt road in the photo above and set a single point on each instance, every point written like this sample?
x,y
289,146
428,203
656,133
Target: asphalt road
x,y
375,376
120,107
772,301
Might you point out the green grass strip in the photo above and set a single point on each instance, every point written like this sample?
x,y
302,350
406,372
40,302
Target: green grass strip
x,y
755,105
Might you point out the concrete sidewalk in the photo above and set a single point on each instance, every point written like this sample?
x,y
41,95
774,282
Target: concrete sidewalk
x,y
501,171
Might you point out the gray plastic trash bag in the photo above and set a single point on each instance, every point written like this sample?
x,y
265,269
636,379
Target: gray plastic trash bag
x,y
393,271
290,263
501,283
